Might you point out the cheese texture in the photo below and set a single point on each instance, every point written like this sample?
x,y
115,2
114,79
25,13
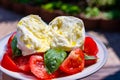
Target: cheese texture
x,y
67,32
32,35
35,36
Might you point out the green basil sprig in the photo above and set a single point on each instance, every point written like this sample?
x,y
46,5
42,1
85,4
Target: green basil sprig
x,y
53,59
16,52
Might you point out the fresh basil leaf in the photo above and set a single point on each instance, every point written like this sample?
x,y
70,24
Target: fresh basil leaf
x,y
87,57
16,52
53,59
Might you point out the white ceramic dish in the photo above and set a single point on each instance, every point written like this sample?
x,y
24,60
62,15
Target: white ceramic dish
x,y
102,55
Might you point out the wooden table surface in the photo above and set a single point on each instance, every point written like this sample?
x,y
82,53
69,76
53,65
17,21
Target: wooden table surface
x,y
110,71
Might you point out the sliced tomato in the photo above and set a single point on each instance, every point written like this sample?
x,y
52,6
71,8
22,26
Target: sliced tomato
x,y
8,63
62,74
23,63
90,60
38,68
74,62
9,52
10,40
90,46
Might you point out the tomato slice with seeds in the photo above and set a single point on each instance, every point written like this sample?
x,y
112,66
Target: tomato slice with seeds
x,y
38,69
74,63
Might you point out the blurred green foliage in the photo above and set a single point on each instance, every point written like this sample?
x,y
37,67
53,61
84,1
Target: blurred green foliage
x,y
100,3
91,12
90,8
112,14
65,7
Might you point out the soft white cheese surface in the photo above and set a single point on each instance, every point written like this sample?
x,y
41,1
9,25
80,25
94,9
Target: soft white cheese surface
x,y
67,32
34,35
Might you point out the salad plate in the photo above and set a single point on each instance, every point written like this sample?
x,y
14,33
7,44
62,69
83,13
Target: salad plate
x,y
102,58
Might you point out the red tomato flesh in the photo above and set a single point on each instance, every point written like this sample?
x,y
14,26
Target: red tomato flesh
x,y
38,69
74,63
23,63
90,46
10,40
8,63
89,62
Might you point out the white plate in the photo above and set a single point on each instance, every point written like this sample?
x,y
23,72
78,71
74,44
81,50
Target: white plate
x,y
102,57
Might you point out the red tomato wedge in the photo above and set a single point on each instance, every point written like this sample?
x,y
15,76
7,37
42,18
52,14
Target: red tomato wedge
x,y
74,63
90,46
38,68
90,60
23,63
10,40
8,63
